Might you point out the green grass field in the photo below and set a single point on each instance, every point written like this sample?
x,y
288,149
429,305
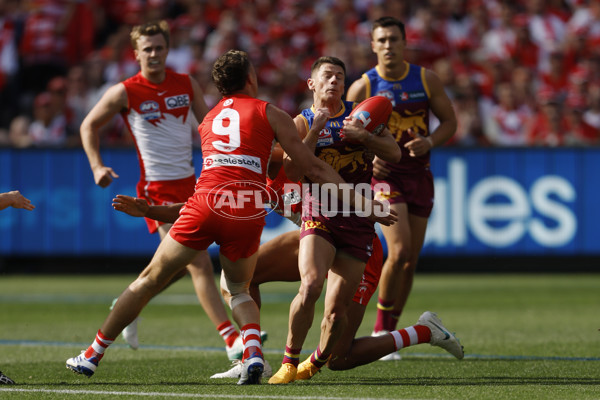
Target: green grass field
x,y
525,337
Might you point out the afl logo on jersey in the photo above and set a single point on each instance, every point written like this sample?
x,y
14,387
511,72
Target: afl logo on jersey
x,y
325,137
150,110
227,102
388,95
181,100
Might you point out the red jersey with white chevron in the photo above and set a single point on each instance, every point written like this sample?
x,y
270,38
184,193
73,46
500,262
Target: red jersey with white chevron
x,y
159,117
237,140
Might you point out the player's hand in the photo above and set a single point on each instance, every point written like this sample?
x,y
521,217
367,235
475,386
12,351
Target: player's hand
x,y
354,130
321,117
419,146
103,176
379,169
382,213
20,201
133,206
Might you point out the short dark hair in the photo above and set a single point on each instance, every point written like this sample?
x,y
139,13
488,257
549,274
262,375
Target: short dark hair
x,y
149,29
385,22
327,60
230,71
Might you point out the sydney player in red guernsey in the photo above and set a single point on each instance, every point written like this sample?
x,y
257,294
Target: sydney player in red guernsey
x,y
161,109
414,92
235,165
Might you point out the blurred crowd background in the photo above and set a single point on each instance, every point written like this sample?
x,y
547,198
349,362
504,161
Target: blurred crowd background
x,y
519,72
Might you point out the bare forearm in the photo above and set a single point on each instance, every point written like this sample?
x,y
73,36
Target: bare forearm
x,y
91,145
168,213
442,133
384,147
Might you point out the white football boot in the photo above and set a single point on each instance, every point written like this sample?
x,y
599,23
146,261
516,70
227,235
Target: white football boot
x,y
440,336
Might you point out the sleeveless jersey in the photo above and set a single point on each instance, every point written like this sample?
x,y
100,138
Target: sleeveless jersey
x,y
350,160
159,117
237,140
410,99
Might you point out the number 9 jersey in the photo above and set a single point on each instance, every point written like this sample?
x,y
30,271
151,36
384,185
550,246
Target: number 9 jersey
x,y
237,140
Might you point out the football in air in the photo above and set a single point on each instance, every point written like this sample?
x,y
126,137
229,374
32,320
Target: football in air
x,y
374,113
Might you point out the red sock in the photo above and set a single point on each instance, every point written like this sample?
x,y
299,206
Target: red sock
x,y
228,332
318,359
410,336
393,321
291,356
252,344
384,315
98,346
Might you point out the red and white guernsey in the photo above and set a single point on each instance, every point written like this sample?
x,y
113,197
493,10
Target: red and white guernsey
x,y
159,117
237,140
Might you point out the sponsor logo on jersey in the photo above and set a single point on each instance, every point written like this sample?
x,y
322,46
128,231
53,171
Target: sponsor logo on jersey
x,y
404,96
150,110
417,95
178,101
325,138
231,160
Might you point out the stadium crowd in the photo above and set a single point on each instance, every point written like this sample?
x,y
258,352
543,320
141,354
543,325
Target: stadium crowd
x,y
519,72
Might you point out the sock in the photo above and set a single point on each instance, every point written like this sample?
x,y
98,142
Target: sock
x,y
251,338
384,312
318,359
228,332
393,321
98,346
291,356
410,336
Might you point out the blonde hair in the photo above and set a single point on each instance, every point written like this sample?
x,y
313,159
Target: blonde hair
x,y
150,29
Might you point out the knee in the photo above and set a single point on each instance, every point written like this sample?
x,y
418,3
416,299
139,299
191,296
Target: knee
x,y
337,363
146,285
335,318
310,291
399,256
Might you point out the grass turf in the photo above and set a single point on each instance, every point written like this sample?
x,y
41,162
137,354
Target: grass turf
x,y
525,336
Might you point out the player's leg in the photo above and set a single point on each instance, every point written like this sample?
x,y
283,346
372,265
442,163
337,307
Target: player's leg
x,y
398,239
418,226
170,258
203,279
235,279
342,282
130,333
277,262
428,329
315,256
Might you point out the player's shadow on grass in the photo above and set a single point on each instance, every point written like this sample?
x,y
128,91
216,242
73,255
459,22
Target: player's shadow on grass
x,y
445,381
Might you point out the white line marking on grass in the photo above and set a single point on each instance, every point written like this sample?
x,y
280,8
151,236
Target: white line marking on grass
x,y
170,394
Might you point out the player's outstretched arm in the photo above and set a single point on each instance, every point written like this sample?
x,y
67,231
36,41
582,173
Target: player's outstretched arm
x,y
137,207
16,200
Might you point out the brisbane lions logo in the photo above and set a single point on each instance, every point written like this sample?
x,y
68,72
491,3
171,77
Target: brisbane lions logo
x,y
399,124
351,161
